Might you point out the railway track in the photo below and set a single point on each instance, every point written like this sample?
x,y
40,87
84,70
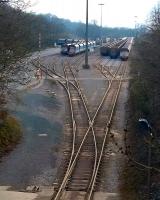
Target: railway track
x,y
81,175
74,98
106,123
76,161
86,157
84,167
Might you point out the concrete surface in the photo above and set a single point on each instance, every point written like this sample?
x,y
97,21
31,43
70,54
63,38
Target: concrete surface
x,y
12,195
105,196
46,52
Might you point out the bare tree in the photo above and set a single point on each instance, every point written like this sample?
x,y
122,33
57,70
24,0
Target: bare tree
x,y
18,4
4,1
12,44
154,20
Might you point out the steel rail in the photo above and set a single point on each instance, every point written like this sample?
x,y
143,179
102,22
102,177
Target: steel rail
x,y
74,126
84,138
71,109
65,180
103,71
92,128
80,92
75,159
65,88
106,134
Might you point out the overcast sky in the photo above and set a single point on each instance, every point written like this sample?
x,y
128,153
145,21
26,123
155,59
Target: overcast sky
x,y
119,13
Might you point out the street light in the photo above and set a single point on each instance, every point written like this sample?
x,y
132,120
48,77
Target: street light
x,y
145,125
39,48
135,21
101,4
86,66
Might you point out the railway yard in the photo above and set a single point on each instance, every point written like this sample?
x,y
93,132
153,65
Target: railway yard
x,y
94,123
79,100
91,153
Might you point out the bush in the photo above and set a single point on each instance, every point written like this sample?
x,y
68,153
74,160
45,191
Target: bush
x,y
140,98
10,133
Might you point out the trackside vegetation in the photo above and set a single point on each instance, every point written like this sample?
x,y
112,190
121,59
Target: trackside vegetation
x,y
10,132
19,36
144,103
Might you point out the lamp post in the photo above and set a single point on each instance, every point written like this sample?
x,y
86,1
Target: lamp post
x,y
86,66
135,27
39,48
148,127
101,4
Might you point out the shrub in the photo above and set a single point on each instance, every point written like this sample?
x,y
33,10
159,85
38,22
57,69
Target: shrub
x,y
10,133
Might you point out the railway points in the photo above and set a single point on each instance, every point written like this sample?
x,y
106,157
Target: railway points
x,y
91,98
89,119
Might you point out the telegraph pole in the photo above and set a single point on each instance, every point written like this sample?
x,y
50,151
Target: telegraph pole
x,y
86,65
135,21
39,47
101,4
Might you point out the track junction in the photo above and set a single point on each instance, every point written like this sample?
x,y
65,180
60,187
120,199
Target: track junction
x,y
88,122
